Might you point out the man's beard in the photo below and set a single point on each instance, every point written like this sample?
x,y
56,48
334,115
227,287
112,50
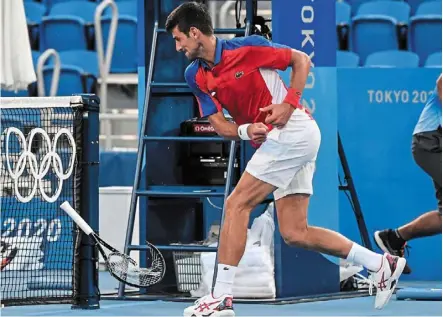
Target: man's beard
x,y
192,56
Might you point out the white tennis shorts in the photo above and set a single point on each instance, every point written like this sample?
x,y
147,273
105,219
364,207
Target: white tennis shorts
x,y
287,158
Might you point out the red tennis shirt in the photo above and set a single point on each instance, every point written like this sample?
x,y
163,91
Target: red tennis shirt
x,y
243,80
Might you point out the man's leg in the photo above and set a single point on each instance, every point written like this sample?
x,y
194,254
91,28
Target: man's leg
x,y
426,149
248,193
427,155
426,225
292,219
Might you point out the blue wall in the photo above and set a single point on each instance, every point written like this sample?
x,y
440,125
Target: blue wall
x,y
377,112
307,25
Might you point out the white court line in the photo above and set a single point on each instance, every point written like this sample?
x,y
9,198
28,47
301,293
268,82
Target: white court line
x,y
48,313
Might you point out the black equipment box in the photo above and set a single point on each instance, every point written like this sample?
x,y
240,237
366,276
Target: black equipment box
x,y
205,163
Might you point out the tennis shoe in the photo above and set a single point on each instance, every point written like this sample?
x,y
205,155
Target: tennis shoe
x,y
210,306
386,278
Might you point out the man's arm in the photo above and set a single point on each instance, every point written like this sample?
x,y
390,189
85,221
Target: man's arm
x,y
223,127
271,55
209,106
279,114
256,131
267,54
301,65
439,87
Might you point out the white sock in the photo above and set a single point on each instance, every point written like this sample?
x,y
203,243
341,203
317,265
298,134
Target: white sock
x,y
224,281
362,256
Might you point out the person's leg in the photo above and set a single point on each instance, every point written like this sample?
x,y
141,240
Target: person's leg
x,y
428,224
292,205
427,155
248,193
292,218
426,149
273,165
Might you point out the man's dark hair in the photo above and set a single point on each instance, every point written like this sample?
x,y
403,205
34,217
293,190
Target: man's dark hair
x,y
190,14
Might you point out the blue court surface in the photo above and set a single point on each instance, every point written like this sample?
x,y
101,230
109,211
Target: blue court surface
x,y
362,306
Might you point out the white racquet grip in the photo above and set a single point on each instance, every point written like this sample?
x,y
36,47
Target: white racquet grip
x,y
243,131
76,217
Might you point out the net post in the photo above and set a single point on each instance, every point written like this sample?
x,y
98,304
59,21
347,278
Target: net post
x,y
86,288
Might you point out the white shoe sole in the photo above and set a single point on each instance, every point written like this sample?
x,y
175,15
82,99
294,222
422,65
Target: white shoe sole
x,y
395,276
223,313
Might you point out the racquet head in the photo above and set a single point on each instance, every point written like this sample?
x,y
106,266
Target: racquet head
x,y
124,268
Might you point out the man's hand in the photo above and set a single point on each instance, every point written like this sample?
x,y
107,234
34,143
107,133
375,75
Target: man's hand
x,y
279,114
258,132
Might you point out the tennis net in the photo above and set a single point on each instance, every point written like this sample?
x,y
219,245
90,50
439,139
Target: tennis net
x,y
40,168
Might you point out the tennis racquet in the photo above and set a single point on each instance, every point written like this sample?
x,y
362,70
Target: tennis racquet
x,y
119,265
8,253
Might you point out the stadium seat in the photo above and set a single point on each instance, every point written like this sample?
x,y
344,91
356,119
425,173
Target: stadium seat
x,y
34,13
426,30
87,60
429,8
78,73
123,58
392,58
434,60
79,8
379,21
355,4
71,81
347,59
414,4
50,3
342,22
69,26
125,7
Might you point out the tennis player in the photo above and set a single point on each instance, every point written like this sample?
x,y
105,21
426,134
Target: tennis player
x,y
426,149
241,76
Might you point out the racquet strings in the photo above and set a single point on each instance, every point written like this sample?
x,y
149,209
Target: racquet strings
x,y
125,268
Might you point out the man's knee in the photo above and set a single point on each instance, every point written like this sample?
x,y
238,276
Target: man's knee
x,y
238,204
292,218
295,236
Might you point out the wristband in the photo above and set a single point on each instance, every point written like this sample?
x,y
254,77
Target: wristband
x,y
243,131
293,98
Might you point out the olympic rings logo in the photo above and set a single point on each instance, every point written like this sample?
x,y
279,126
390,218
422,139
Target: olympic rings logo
x,y
29,159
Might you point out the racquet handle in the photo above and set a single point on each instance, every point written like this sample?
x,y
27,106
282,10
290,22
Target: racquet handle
x,y
76,217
